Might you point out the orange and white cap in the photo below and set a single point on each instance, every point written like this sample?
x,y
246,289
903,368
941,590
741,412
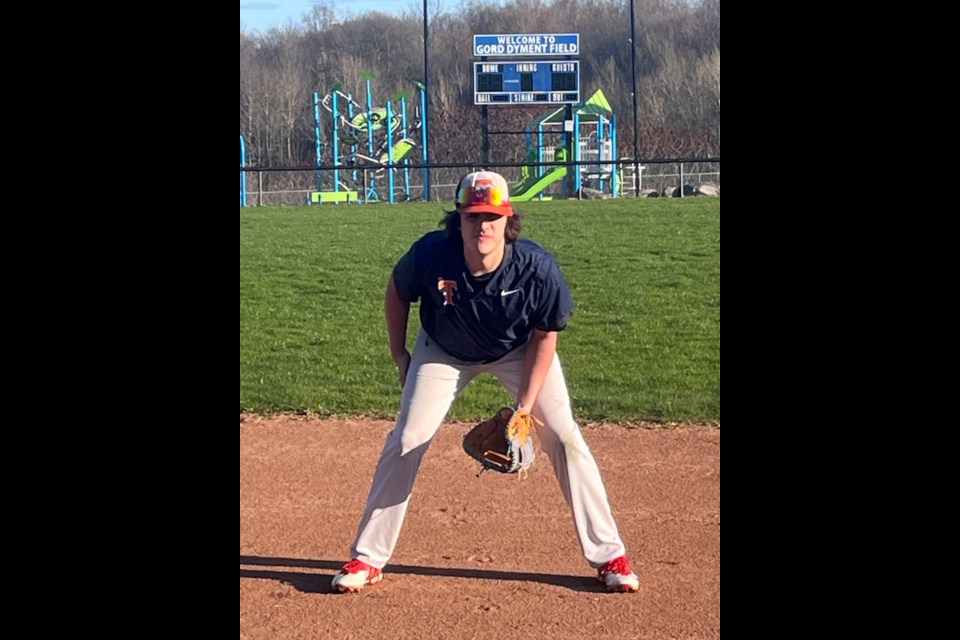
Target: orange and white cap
x,y
484,192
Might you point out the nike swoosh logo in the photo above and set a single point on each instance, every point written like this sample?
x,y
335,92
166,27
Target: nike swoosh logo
x,y
504,294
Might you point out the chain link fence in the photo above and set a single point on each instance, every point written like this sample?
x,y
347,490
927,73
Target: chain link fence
x,y
661,178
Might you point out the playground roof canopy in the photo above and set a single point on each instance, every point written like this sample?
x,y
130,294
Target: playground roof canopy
x,y
590,110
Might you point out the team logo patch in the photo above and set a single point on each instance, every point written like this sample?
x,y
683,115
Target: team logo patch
x,y
447,287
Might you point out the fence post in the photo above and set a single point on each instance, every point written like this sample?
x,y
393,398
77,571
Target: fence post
x,y
636,173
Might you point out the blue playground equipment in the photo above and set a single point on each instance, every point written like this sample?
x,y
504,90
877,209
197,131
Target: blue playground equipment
x,y
243,174
367,140
595,133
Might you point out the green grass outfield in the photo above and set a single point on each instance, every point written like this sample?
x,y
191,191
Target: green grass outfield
x,y
643,343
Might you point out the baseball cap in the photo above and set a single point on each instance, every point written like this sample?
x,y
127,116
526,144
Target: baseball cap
x,y
484,192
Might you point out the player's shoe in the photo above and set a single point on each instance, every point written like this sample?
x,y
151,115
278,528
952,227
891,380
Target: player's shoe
x,y
354,576
618,576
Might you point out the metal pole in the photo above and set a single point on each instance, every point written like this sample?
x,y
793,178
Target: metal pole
x,y
406,172
318,146
633,73
353,147
390,177
423,138
243,174
485,130
423,108
336,145
373,180
577,184
614,169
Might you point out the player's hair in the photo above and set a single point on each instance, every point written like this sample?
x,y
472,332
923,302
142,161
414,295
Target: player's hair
x,y
451,223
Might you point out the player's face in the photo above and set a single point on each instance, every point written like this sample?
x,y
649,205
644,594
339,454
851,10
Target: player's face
x,y
483,232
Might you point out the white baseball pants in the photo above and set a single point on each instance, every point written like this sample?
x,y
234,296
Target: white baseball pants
x,y
433,382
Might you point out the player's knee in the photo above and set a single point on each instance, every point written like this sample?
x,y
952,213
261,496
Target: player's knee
x,y
573,442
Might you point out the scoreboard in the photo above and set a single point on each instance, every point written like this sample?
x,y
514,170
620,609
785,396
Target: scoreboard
x,y
529,82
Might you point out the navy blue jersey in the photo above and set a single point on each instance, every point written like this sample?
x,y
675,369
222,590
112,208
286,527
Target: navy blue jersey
x,y
482,319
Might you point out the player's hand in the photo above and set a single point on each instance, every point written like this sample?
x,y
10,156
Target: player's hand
x,y
403,363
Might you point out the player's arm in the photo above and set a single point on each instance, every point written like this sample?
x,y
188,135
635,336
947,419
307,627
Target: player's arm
x,y
536,364
398,312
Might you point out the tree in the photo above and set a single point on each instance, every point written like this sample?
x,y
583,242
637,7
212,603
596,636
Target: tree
x,y
678,72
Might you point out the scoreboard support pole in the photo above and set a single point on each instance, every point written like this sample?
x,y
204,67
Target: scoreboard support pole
x,y
485,125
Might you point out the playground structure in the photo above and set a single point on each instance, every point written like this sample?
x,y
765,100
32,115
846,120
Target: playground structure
x,y
370,142
373,144
594,128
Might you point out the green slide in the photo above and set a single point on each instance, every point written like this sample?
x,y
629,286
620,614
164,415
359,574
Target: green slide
x,y
531,186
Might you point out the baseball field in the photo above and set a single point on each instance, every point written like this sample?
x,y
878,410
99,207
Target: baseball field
x,y
489,556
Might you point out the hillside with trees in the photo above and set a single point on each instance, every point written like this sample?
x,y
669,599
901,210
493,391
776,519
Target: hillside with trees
x,y
677,68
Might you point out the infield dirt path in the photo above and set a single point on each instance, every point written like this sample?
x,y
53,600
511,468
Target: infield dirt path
x,y
488,557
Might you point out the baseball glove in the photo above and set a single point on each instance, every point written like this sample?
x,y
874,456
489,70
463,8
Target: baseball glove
x,y
503,443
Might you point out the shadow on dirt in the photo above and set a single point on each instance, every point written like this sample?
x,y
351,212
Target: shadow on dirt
x,y
320,583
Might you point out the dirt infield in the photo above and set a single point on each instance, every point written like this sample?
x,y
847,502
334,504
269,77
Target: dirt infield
x,y
505,564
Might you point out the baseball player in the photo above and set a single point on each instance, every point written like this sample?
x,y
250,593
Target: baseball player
x,y
489,302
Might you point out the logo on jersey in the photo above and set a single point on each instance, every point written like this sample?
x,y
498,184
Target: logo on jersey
x,y
447,287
